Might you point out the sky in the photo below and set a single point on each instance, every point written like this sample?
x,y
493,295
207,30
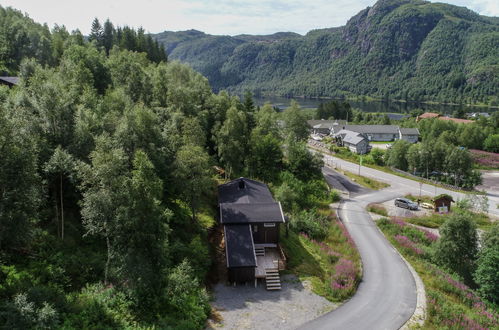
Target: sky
x,y
226,17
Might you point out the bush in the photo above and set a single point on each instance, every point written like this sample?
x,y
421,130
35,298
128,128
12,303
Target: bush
x,y
99,307
296,195
335,196
310,222
457,248
487,273
377,156
187,302
22,313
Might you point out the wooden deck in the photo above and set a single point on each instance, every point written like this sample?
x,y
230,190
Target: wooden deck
x,y
270,260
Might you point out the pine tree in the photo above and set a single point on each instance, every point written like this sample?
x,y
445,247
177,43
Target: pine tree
x,y
96,32
108,36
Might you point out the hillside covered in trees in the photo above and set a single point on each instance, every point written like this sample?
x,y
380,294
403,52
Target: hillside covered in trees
x,y
108,183
398,49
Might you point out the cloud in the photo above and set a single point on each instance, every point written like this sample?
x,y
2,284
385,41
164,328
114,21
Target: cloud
x,y
211,16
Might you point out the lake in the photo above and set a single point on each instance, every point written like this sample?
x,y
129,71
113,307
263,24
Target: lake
x,y
374,106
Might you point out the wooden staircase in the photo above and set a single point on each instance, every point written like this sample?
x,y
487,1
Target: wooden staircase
x,y
260,251
272,279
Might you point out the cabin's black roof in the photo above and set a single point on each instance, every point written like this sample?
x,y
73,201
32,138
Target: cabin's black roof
x,y
244,191
239,246
232,213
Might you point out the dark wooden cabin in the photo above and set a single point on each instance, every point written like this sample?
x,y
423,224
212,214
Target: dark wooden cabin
x,y
251,219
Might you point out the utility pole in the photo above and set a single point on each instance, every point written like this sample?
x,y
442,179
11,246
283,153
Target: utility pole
x,y
360,163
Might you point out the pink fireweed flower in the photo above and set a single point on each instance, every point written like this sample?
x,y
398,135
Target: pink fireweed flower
x,y
430,236
344,275
397,221
407,243
346,233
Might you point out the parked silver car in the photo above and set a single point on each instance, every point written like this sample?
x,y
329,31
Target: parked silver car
x,y
406,203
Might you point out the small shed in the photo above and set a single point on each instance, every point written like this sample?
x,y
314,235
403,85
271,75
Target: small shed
x,y
442,203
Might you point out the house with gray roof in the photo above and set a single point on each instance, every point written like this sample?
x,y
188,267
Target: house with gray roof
x,y
321,126
354,141
373,132
409,134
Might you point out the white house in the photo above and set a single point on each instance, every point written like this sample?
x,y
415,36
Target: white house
x,y
409,134
354,141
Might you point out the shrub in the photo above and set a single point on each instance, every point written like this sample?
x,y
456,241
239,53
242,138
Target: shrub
x,y
457,247
188,304
378,156
22,313
335,196
99,307
310,222
487,273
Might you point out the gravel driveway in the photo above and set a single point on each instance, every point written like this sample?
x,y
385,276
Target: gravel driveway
x,y
247,307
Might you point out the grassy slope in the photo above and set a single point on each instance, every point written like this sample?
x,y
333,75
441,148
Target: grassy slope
x,y
365,181
317,261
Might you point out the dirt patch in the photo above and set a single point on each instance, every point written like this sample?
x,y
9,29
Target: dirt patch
x,y
247,307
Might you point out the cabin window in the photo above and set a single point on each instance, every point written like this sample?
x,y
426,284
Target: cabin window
x,y
269,224
255,228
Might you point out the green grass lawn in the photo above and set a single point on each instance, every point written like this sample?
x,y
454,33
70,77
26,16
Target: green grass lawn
x,y
365,181
378,209
323,262
450,303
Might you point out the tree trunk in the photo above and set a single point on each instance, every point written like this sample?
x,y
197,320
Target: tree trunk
x,y
62,206
108,261
57,215
193,210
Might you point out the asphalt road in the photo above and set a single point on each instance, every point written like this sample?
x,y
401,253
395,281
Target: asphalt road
x,y
386,297
404,186
341,182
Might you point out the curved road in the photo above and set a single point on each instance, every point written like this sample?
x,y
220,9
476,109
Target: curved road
x,y
386,298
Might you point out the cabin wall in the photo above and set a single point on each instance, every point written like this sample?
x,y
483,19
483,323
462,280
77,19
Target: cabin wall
x,y
265,235
241,274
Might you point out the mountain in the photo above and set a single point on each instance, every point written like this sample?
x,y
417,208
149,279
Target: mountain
x,y
398,49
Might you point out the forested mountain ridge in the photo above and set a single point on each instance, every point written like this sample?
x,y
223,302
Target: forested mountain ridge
x,y
400,49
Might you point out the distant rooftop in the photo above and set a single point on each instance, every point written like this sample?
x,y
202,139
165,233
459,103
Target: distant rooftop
x,y
328,123
350,137
457,120
369,129
10,80
409,131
